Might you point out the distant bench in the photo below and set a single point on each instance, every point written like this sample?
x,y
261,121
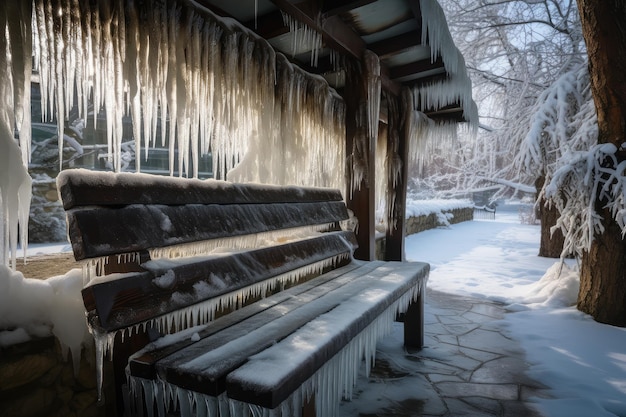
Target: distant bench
x,y
254,286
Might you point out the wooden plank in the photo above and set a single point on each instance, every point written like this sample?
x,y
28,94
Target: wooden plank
x,y
361,149
202,367
415,68
171,366
395,44
88,188
247,383
400,111
134,299
97,232
143,365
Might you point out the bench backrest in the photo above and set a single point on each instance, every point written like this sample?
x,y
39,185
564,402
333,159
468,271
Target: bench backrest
x,y
130,219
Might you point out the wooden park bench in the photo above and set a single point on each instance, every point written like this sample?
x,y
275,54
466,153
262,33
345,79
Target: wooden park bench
x,y
240,298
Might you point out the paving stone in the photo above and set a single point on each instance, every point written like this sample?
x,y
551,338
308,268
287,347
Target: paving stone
x,y
486,340
468,367
502,370
461,328
458,408
468,389
454,320
486,404
480,355
435,378
447,338
493,311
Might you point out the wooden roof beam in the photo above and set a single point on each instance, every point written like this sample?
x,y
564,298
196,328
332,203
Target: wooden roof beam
x,y
396,44
337,36
269,25
342,6
414,68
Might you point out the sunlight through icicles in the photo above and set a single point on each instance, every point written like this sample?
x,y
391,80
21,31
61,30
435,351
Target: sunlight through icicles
x,y
194,80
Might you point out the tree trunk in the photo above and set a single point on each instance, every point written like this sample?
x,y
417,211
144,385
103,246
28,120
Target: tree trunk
x,y
551,244
603,268
603,277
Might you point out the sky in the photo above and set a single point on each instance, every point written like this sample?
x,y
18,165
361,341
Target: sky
x,y
581,361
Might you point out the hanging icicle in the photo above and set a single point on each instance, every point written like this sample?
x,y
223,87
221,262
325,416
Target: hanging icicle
x,y
303,38
458,87
15,73
210,82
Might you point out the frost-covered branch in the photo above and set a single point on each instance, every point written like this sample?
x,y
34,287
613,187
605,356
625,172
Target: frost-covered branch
x,y
587,177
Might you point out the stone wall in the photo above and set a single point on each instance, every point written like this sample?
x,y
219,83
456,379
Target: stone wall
x,y
431,221
35,381
47,217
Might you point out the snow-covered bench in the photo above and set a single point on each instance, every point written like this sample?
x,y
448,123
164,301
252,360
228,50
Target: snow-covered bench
x,y
252,289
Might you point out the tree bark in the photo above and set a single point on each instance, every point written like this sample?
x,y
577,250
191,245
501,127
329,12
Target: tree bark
x,y
551,245
603,268
602,277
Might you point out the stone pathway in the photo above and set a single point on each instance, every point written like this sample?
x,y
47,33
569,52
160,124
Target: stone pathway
x,y
468,367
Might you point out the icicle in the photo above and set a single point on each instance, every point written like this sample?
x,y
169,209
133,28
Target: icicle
x,y
235,242
336,378
15,183
104,346
458,86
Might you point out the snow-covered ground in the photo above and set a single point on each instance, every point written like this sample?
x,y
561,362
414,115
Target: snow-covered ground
x,y
582,361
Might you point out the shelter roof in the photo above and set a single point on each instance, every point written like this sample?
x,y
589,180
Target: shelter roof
x,y
410,37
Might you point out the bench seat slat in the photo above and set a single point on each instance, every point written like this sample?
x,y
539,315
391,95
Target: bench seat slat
x,y
143,364
79,187
102,231
276,322
117,304
267,380
203,366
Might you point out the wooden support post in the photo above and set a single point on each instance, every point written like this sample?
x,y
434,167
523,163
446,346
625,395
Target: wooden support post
x,y
398,148
414,322
308,408
362,97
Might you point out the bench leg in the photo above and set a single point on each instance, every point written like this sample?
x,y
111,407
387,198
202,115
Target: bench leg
x,y
308,408
414,323
122,350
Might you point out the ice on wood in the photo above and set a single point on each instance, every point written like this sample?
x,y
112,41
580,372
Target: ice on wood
x,y
203,312
330,383
458,86
212,83
15,182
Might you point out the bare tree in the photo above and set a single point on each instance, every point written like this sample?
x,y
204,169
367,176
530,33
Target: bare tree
x,y
514,51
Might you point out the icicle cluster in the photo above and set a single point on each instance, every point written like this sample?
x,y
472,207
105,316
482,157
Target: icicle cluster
x,y
457,87
367,121
256,240
306,143
204,312
15,73
210,83
429,138
334,381
304,38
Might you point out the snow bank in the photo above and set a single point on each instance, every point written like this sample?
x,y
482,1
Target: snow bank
x,y
415,208
31,308
557,288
